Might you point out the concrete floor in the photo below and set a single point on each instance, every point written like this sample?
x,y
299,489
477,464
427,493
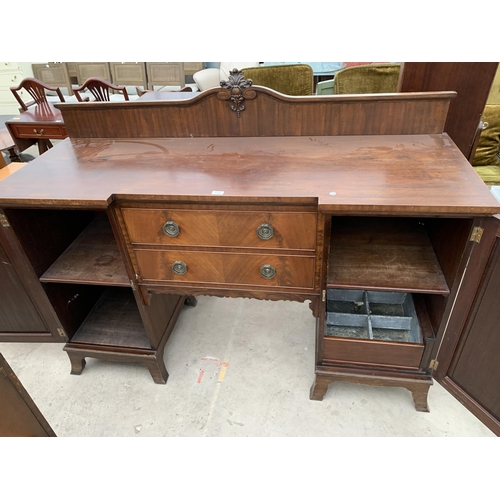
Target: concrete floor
x,y
238,367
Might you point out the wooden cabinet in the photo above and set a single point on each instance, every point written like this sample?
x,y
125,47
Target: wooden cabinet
x,y
377,222
390,289
77,271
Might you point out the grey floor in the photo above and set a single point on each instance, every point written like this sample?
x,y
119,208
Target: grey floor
x,y
238,367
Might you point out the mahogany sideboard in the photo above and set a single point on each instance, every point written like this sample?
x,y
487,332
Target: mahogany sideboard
x,y
361,205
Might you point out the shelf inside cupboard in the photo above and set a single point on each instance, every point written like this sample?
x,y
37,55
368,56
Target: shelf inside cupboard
x,y
376,253
93,258
114,321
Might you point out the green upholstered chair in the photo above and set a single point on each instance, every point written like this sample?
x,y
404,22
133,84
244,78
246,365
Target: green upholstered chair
x,y
369,79
486,159
289,79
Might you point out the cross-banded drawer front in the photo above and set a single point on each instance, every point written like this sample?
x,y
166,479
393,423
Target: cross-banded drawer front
x,y
224,268
42,131
290,230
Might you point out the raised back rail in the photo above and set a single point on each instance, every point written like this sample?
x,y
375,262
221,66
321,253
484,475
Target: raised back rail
x,y
239,109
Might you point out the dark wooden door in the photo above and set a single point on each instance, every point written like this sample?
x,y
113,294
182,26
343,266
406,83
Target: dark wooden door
x,y
472,82
17,312
19,417
469,361
25,312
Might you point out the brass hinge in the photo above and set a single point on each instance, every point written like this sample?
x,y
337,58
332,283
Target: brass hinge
x,y
60,331
2,371
323,296
4,221
476,235
433,364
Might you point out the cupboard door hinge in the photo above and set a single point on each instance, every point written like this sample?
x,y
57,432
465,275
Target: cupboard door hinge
x,y
323,296
60,331
132,285
4,221
476,235
2,371
433,364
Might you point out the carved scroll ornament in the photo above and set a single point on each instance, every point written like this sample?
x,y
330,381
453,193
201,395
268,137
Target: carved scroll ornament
x,y
237,89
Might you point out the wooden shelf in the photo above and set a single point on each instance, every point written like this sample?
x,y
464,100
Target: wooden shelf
x,y
114,321
383,254
93,258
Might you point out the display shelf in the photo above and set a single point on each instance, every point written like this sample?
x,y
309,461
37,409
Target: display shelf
x,y
114,321
392,254
93,258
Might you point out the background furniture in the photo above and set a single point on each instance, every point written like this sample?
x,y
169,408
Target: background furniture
x,y
190,68
162,74
37,126
37,91
53,74
100,89
210,78
486,159
425,212
367,79
129,73
20,416
289,79
86,70
472,82
7,144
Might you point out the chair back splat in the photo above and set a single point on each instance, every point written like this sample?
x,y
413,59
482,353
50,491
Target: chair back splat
x,y
36,89
99,88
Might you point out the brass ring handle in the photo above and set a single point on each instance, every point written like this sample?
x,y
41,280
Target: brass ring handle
x,y
170,228
179,267
267,271
38,133
265,231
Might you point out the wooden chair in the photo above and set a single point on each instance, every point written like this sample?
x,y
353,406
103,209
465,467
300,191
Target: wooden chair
x,y
99,88
36,89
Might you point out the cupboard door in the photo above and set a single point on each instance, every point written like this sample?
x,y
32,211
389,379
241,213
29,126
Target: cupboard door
x,y
17,312
20,416
471,372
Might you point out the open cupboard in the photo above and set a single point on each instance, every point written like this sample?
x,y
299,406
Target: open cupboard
x,y
372,215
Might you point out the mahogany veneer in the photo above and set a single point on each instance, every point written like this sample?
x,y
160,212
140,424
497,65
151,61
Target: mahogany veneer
x,y
360,192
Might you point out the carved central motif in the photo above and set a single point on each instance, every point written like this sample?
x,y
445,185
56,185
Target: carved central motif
x,y
237,90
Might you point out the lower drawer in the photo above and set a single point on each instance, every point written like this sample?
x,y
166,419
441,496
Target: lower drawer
x,y
372,352
42,131
230,268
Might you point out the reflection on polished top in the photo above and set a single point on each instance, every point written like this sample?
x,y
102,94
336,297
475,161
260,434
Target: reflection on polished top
x,y
357,174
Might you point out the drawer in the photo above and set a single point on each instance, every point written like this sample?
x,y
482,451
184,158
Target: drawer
x,y
226,268
291,230
43,131
372,352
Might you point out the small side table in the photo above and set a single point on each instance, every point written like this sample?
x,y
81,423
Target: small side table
x,y
7,144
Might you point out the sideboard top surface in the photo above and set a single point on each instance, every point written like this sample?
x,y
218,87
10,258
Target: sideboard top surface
x,y
379,174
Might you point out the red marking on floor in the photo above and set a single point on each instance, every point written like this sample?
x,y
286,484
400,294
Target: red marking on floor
x,y
200,376
208,358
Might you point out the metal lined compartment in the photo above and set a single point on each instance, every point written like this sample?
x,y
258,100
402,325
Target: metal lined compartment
x,y
374,315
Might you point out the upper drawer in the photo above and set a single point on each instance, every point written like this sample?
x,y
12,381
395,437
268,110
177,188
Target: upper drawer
x,y
294,230
42,131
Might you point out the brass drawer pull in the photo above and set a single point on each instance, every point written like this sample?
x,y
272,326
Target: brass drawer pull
x,y
267,271
170,228
265,231
38,133
179,267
